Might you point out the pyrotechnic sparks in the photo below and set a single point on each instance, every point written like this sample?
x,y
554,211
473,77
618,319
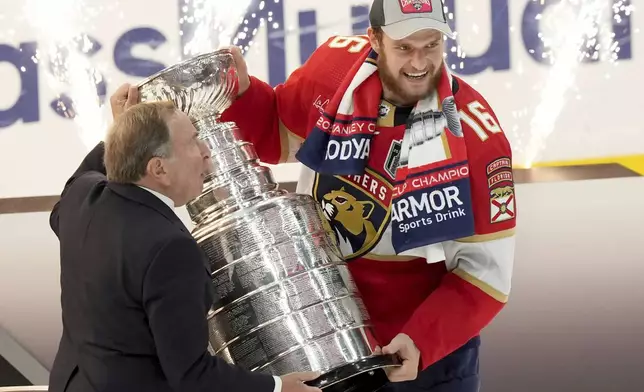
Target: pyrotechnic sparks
x,y
62,55
211,24
572,32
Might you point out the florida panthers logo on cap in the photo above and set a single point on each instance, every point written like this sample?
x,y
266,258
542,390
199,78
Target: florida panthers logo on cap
x,y
415,6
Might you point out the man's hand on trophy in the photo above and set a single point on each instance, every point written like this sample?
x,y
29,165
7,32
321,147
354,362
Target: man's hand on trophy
x,y
242,69
404,347
294,382
123,98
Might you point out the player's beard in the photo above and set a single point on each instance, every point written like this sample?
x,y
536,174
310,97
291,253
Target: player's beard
x,y
391,83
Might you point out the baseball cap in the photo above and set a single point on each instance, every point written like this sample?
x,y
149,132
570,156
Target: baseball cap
x,y
401,18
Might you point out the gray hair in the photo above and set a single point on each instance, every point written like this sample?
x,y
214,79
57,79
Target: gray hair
x,y
136,136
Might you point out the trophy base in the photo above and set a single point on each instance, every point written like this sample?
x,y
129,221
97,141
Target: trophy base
x,y
366,375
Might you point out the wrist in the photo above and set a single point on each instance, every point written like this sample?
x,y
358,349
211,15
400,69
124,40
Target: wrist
x,y
278,384
243,86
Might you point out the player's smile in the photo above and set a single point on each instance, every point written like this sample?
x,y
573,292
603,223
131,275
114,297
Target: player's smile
x,y
416,77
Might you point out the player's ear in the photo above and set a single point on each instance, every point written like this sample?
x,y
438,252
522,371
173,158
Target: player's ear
x,y
374,39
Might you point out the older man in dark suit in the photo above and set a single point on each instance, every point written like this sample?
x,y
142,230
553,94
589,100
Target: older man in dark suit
x,y
135,284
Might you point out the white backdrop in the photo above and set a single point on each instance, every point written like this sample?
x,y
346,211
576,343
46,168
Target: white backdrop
x,y
563,110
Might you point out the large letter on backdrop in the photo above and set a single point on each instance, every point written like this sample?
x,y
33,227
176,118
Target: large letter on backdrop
x,y
26,106
124,59
497,55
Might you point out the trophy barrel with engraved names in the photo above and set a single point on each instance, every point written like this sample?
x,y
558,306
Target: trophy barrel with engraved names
x,y
284,298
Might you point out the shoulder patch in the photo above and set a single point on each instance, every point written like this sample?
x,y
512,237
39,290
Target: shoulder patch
x,y
501,185
499,164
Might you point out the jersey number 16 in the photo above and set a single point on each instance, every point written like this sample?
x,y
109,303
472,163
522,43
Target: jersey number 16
x,y
485,120
353,44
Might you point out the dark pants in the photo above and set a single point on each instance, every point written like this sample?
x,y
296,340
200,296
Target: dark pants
x,y
457,372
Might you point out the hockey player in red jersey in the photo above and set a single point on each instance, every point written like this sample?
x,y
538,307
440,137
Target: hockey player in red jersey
x,y
414,173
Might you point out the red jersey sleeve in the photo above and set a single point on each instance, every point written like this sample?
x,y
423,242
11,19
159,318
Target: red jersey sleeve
x,y
278,120
255,114
259,114
480,267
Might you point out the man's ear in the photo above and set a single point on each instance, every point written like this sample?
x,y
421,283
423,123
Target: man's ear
x,y
375,45
155,168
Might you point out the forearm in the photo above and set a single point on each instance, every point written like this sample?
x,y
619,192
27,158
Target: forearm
x,y
255,113
467,299
93,163
175,293
453,314
211,374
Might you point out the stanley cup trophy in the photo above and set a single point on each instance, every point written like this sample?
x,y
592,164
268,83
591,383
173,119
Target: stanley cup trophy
x,y
284,298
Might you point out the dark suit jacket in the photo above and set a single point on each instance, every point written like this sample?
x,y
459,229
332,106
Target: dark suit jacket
x,y
135,294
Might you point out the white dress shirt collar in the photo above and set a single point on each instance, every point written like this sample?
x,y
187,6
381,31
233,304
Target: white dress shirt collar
x,y
168,201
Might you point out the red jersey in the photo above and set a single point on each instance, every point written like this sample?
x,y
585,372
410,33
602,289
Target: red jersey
x,y
441,296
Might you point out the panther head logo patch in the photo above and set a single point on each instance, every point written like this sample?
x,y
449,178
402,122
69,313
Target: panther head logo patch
x,y
350,219
356,209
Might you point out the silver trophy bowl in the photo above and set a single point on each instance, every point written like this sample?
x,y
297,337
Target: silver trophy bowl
x,y
200,87
284,298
